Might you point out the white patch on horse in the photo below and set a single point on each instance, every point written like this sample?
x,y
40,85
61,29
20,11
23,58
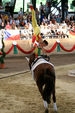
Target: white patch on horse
x,y
55,107
40,61
45,104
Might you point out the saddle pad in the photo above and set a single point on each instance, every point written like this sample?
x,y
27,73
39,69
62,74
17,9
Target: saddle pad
x,y
40,61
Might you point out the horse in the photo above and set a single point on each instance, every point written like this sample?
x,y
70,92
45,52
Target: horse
x,y
43,73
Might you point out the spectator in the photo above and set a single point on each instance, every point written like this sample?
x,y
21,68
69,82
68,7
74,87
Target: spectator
x,y
20,13
7,7
58,19
7,27
66,9
42,13
37,14
45,20
71,18
13,26
25,16
17,21
2,26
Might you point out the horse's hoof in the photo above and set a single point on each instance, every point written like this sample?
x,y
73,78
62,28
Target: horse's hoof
x,y
46,111
55,107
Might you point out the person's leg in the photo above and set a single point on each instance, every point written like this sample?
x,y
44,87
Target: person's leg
x,y
36,52
34,22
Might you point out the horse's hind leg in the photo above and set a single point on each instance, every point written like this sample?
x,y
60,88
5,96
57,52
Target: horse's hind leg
x,y
54,100
40,87
46,94
46,106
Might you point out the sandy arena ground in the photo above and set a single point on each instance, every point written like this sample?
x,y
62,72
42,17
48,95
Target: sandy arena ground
x,y
19,93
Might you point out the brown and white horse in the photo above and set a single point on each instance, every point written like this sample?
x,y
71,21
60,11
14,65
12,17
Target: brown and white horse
x,y
44,75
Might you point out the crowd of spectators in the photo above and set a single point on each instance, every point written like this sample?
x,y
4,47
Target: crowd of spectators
x,y
50,27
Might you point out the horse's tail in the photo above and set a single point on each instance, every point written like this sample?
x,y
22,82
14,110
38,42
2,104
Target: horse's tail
x,y
49,79
49,73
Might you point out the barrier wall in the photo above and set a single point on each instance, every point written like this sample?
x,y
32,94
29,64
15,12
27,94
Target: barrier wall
x,y
26,45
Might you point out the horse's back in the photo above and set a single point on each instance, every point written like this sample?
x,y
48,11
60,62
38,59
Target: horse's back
x,y
44,70
45,66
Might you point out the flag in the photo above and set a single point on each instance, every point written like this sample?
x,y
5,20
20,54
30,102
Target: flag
x,y
11,35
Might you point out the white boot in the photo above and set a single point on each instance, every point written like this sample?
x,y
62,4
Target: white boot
x,y
55,107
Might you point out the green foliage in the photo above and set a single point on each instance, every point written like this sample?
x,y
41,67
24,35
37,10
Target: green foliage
x,y
4,1
3,53
73,3
71,6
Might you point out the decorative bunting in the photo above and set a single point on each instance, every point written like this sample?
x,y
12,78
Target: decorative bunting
x,y
57,44
58,47
15,49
